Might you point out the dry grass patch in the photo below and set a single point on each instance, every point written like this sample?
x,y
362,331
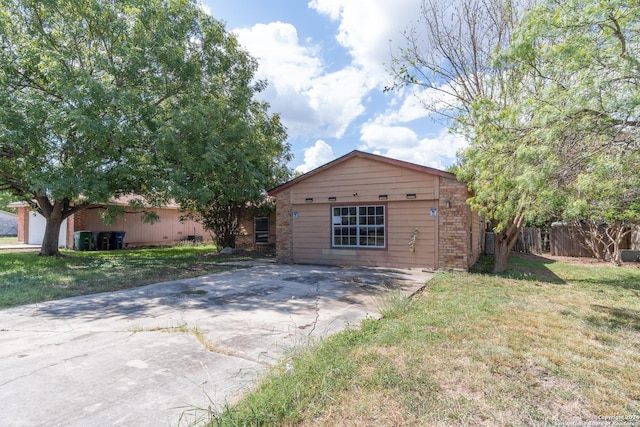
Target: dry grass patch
x,y
366,409
547,343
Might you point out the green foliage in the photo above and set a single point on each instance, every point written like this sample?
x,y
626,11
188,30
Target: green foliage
x,y
584,57
6,198
452,53
99,98
549,101
608,190
587,53
223,173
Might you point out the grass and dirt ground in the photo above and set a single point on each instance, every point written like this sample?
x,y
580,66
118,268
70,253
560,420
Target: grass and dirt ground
x,y
27,278
547,343
550,342
8,240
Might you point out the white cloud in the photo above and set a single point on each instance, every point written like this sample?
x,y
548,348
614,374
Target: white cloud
x,y
310,100
337,99
280,55
316,103
415,103
402,143
315,156
377,136
370,29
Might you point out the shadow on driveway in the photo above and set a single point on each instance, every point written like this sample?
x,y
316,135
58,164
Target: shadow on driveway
x,y
142,356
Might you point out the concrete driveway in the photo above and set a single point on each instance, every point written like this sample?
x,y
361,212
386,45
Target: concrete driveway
x,y
152,356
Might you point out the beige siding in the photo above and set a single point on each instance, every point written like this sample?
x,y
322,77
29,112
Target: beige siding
x,y
447,233
168,230
368,179
312,237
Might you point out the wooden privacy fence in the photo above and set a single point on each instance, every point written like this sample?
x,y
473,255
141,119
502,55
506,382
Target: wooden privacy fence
x,y
529,242
566,241
559,240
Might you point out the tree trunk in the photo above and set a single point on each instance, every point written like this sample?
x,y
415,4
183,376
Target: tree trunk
x,y
503,244
501,256
54,213
51,236
226,240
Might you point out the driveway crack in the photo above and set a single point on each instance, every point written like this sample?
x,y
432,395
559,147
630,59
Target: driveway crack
x,y
35,371
317,309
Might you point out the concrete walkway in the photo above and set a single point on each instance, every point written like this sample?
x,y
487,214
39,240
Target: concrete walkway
x,y
20,246
151,356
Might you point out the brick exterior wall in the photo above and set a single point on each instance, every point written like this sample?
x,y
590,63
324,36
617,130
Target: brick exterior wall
x,y
23,224
284,227
459,231
454,223
247,238
79,220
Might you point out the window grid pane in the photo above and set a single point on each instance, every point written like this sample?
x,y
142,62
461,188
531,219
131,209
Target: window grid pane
x,y
359,226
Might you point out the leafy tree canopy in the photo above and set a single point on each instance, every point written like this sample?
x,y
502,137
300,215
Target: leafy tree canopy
x,y
585,58
547,93
451,54
95,95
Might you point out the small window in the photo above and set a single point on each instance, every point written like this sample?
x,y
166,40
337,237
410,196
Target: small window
x,y
261,229
358,226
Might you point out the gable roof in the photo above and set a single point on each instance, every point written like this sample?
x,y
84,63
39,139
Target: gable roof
x,y
361,154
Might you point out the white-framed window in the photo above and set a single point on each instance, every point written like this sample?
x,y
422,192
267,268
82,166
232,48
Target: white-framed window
x,y
358,226
261,229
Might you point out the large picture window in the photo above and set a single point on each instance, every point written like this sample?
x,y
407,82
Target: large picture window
x,y
358,226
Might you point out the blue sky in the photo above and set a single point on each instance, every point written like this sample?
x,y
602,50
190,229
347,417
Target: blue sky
x,y
326,64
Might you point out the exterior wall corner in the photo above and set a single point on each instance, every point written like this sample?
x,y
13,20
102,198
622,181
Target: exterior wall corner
x,y
284,227
455,227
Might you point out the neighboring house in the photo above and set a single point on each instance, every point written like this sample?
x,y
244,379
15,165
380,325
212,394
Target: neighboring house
x,y
8,224
166,231
368,210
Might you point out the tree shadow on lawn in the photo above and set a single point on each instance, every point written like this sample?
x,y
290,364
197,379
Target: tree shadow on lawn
x,y
268,288
527,267
615,318
588,271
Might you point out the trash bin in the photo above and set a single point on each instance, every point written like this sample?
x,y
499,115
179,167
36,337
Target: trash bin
x,y
104,240
117,240
83,240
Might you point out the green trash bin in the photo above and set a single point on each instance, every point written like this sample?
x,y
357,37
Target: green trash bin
x,y
83,240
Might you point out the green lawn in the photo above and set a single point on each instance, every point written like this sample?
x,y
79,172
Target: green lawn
x,y
545,344
26,277
8,240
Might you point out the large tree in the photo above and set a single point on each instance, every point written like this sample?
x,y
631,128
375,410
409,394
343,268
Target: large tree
x,y
221,176
91,93
604,203
451,54
547,105
587,111
587,52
